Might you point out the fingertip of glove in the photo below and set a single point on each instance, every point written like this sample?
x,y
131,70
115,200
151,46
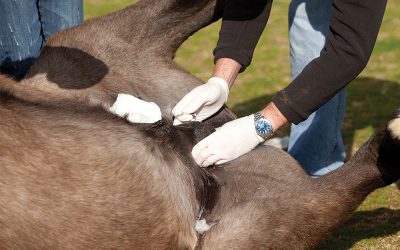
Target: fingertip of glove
x,y
176,122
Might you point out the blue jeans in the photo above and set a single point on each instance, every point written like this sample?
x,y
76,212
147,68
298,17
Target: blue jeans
x,y
25,25
317,142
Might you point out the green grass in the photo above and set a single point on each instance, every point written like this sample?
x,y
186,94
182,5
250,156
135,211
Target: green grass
x,y
93,8
371,98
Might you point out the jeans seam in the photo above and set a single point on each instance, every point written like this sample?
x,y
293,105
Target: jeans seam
x,y
41,24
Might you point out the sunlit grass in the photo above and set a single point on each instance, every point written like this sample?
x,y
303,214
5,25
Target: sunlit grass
x,y
93,8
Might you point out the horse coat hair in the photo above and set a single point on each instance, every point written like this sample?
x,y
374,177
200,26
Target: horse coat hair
x,y
74,176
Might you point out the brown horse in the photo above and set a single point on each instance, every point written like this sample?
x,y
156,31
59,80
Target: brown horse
x,y
77,177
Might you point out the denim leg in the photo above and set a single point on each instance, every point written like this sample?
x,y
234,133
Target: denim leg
x,y
59,15
317,142
20,36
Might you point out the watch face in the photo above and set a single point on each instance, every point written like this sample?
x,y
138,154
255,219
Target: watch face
x,y
263,126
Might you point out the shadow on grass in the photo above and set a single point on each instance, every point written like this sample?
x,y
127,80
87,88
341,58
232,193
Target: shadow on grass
x,y
370,102
365,225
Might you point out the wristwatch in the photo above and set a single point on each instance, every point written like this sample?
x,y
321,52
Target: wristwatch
x,y
263,126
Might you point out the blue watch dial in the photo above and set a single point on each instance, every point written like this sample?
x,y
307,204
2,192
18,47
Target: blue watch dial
x,y
263,126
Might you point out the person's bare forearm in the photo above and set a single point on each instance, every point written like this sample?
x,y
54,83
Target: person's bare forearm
x,y
272,113
227,69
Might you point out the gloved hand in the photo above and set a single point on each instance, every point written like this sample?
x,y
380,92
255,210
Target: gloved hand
x,y
202,102
230,141
135,110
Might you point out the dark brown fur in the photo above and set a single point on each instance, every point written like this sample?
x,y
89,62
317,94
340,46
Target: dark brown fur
x,y
76,177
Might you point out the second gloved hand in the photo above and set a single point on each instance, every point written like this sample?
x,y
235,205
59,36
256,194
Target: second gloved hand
x,y
230,141
202,102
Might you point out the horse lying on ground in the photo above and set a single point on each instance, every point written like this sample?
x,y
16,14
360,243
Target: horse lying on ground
x,y
75,176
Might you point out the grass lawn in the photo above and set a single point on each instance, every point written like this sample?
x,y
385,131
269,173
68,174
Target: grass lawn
x,y
370,100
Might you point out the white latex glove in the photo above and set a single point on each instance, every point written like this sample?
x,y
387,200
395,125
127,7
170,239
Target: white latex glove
x,y
230,141
135,110
202,102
